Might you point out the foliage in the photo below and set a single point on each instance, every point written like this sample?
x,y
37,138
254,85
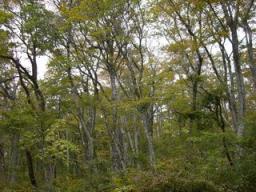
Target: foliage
x,y
138,96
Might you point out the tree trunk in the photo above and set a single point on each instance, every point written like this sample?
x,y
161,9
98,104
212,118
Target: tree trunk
x,y
117,139
251,60
147,118
2,162
86,127
221,122
14,156
31,173
88,138
90,126
232,22
231,96
240,81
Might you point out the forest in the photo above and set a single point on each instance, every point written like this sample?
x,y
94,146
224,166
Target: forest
x,y
127,96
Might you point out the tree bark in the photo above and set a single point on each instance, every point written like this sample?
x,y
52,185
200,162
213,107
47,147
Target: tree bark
x,y
117,139
2,162
31,173
14,157
232,22
251,59
147,118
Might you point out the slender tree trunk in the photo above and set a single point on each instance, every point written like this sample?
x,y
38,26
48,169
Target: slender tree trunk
x,y
14,156
147,118
136,140
88,138
251,60
90,126
221,121
117,140
240,81
2,162
31,173
193,120
231,97
232,21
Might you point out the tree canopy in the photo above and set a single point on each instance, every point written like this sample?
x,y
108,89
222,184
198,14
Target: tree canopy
x,y
139,95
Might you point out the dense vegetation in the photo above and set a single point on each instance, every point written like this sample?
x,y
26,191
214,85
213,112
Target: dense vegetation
x,y
139,95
